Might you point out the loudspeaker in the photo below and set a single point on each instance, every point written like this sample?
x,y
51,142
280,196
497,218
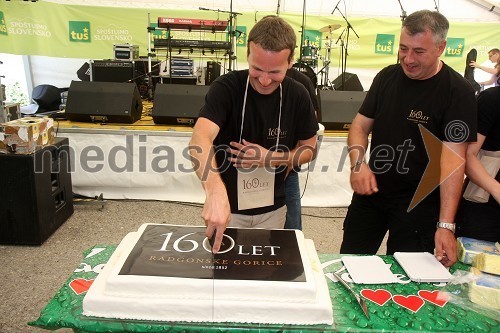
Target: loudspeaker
x,y
338,108
112,70
213,72
178,104
103,102
35,194
351,82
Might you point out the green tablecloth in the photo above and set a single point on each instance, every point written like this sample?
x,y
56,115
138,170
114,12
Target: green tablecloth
x,y
405,306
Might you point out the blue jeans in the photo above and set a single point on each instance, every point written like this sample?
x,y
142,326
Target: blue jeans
x,y
292,194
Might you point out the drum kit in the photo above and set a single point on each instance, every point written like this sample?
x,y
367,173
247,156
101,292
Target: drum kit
x,y
308,61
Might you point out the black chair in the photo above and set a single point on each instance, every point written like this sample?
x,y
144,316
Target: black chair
x,y
48,97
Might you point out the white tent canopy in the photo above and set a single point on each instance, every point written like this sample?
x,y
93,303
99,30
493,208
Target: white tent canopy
x,y
467,10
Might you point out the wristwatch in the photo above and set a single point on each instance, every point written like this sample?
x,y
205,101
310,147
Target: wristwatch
x,y
446,225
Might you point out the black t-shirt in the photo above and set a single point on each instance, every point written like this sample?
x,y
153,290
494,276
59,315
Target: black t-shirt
x,y
488,123
306,82
223,106
444,104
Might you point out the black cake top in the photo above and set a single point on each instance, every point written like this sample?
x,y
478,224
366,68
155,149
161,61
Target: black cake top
x,y
246,254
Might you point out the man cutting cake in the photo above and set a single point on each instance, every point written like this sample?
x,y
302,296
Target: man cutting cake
x,y
256,124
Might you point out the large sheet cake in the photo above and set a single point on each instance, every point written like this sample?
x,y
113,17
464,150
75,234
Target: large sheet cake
x,y
168,273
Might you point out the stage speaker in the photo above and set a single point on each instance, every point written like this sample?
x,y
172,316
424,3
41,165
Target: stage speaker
x,y
103,102
178,104
351,82
112,71
338,108
213,72
36,195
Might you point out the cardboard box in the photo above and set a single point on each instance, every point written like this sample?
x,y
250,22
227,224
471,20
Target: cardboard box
x,y
25,135
10,112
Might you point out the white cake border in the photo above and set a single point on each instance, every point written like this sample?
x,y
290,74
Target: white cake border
x,y
98,303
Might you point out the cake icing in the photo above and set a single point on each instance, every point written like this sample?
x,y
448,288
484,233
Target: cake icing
x,y
167,273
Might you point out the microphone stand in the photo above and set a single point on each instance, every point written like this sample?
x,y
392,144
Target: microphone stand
x,y
437,6
403,18
301,64
278,9
348,29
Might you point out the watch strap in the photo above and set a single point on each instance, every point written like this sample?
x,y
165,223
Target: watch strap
x,y
446,225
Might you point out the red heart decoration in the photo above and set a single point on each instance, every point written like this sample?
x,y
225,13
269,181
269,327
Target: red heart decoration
x,y
379,296
80,286
435,297
411,302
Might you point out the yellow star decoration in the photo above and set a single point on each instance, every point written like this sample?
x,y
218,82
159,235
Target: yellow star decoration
x,y
460,46
85,30
389,42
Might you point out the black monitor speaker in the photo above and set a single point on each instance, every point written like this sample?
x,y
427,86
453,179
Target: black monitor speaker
x,y
178,104
103,102
347,82
338,108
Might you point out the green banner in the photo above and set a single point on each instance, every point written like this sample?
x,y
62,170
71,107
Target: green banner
x,y
74,31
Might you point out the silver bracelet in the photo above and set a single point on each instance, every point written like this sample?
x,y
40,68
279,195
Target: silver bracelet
x,y
358,163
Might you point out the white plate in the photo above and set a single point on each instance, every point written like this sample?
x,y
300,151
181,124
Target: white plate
x,y
422,267
368,270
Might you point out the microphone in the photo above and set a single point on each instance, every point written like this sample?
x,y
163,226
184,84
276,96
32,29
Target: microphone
x,y
336,6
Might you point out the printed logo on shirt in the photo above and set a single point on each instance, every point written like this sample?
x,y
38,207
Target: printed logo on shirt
x,y
384,44
79,31
3,25
272,133
454,47
418,117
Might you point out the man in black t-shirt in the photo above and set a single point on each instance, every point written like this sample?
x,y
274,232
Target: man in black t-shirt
x,y
292,186
254,126
418,96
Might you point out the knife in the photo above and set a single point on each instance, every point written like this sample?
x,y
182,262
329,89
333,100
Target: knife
x,y
361,301
211,241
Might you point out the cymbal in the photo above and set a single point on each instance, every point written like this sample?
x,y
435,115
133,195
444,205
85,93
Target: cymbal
x,y
330,28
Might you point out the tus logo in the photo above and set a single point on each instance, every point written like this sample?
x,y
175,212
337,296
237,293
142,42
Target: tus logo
x,y
158,34
3,25
384,44
454,47
241,40
312,38
79,31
